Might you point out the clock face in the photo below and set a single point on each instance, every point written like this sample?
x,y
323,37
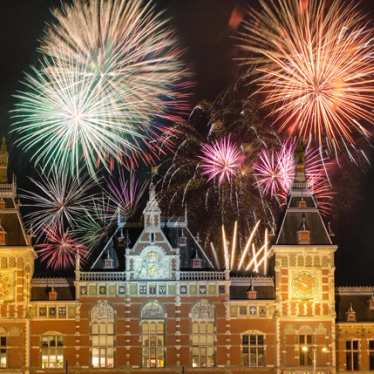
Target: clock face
x,y
152,264
304,285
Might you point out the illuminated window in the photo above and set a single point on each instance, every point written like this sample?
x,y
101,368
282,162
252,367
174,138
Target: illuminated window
x,y
371,354
352,349
3,352
102,335
153,335
305,350
253,350
52,351
203,335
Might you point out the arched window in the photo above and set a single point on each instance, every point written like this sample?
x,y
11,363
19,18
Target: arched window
x,y
253,349
102,335
203,334
153,335
52,350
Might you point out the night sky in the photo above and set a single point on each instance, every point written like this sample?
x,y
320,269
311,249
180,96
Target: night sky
x,y
202,26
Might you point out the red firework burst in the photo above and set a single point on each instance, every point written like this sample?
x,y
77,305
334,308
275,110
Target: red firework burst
x,y
60,248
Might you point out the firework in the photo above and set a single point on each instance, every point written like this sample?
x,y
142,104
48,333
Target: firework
x,y
110,81
96,222
59,249
125,193
275,172
250,259
314,67
221,160
57,200
183,183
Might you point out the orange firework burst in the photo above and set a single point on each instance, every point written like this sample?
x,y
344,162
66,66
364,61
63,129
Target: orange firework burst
x,y
314,66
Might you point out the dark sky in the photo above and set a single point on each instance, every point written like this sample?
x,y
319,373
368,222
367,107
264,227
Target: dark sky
x,y
203,28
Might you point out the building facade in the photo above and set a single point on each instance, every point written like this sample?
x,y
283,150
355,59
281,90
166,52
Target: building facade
x,y
149,301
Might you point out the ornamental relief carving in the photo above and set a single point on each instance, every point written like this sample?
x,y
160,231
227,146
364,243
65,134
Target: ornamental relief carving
x,y
13,331
102,311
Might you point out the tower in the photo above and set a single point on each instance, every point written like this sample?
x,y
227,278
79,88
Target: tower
x,y
16,270
304,275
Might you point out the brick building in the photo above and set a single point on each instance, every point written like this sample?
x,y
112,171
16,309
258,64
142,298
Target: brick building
x,y
149,301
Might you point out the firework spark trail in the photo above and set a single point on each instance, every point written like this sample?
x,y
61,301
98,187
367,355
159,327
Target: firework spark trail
x,y
59,250
259,257
95,223
57,200
110,80
315,69
125,193
221,160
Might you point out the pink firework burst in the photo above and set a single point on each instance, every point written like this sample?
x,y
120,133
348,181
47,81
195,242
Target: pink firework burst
x,y
221,160
275,172
125,193
60,248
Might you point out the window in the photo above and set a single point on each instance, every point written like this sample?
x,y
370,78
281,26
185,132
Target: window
x,y
3,352
153,335
253,350
351,355
203,335
305,350
371,354
153,343
102,329
52,351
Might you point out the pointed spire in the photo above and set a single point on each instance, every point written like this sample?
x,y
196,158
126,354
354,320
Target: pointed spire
x,y
4,158
108,261
152,211
300,179
302,223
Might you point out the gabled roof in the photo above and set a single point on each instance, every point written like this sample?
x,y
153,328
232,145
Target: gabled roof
x,y
302,211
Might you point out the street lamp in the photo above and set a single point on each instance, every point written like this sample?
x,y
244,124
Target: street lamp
x,y
305,349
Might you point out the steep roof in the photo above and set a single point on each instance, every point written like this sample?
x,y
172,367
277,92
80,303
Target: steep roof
x,y
302,211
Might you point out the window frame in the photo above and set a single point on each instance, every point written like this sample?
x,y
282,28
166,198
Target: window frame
x,y
52,352
153,355
247,349
3,352
352,354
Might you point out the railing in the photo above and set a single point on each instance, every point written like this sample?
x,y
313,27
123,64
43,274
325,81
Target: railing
x,y
103,276
202,275
7,187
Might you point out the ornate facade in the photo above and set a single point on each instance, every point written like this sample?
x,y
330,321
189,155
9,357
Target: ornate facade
x,y
149,301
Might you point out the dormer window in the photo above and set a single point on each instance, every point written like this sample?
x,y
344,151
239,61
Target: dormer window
x,y
351,314
108,263
197,263
52,294
302,204
3,234
303,233
371,302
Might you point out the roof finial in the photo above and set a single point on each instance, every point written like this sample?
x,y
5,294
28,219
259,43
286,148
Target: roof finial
x,y
300,163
